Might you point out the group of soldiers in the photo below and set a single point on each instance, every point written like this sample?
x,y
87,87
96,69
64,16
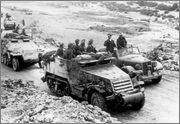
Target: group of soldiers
x,y
75,49
78,48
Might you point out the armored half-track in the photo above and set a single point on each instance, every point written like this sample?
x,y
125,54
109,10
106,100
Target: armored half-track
x,y
18,50
93,78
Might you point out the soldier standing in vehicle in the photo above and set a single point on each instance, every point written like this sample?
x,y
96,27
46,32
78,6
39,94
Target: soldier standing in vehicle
x,y
109,43
77,48
121,42
16,29
90,47
82,46
69,52
60,51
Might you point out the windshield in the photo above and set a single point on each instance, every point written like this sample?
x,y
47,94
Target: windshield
x,y
127,51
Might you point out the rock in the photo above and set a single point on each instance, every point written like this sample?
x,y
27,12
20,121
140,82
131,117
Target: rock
x,y
30,105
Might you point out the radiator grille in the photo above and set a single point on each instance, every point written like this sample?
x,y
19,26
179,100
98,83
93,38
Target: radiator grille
x,y
145,67
123,86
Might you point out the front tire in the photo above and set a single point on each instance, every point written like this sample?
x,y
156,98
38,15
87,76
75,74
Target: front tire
x,y
157,80
15,64
97,99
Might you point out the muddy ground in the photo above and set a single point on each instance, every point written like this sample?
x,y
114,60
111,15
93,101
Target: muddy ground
x,y
54,22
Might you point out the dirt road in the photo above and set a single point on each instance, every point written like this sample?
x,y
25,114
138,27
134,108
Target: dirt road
x,y
67,21
162,100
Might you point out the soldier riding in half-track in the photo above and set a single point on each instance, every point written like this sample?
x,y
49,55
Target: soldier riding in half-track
x,y
94,78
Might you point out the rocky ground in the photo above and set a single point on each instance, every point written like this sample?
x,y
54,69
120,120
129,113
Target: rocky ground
x,y
23,102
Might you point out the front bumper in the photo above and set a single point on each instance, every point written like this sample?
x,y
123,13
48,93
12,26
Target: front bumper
x,y
31,61
125,99
151,76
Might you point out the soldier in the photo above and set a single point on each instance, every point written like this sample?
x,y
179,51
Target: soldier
x,y
82,46
110,45
24,32
69,52
16,29
60,51
77,48
121,42
90,47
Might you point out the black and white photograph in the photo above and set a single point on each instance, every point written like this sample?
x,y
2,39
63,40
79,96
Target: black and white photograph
x,y
90,61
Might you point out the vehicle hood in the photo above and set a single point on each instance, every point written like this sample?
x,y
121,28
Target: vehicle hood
x,y
134,58
107,71
19,47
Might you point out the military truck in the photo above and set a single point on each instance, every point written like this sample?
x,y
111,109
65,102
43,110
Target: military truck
x,y
18,50
131,61
93,78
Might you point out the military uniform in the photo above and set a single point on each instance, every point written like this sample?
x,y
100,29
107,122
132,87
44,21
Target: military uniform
x,y
69,54
77,50
60,52
109,45
121,42
90,48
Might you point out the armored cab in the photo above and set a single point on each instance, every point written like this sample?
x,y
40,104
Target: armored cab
x,y
93,78
18,50
132,62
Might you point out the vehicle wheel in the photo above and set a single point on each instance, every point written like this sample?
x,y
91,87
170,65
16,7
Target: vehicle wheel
x,y
2,59
62,89
15,64
5,59
157,80
139,105
98,100
51,85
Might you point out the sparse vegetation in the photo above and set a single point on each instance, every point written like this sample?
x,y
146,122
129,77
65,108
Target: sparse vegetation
x,y
147,3
167,8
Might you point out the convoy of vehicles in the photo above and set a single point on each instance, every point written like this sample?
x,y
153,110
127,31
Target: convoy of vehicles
x,y
96,80
132,62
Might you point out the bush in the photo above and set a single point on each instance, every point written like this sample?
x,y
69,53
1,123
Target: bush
x,y
146,3
148,12
166,7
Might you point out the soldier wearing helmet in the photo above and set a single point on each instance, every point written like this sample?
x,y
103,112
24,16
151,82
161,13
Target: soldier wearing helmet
x,y
121,42
77,48
82,46
60,51
69,52
90,47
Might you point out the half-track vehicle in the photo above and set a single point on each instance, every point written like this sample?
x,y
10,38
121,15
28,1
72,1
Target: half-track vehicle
x,y
131,61
18,50
94,78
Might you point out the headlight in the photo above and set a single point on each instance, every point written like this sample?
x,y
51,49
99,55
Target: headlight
x,y
138,67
